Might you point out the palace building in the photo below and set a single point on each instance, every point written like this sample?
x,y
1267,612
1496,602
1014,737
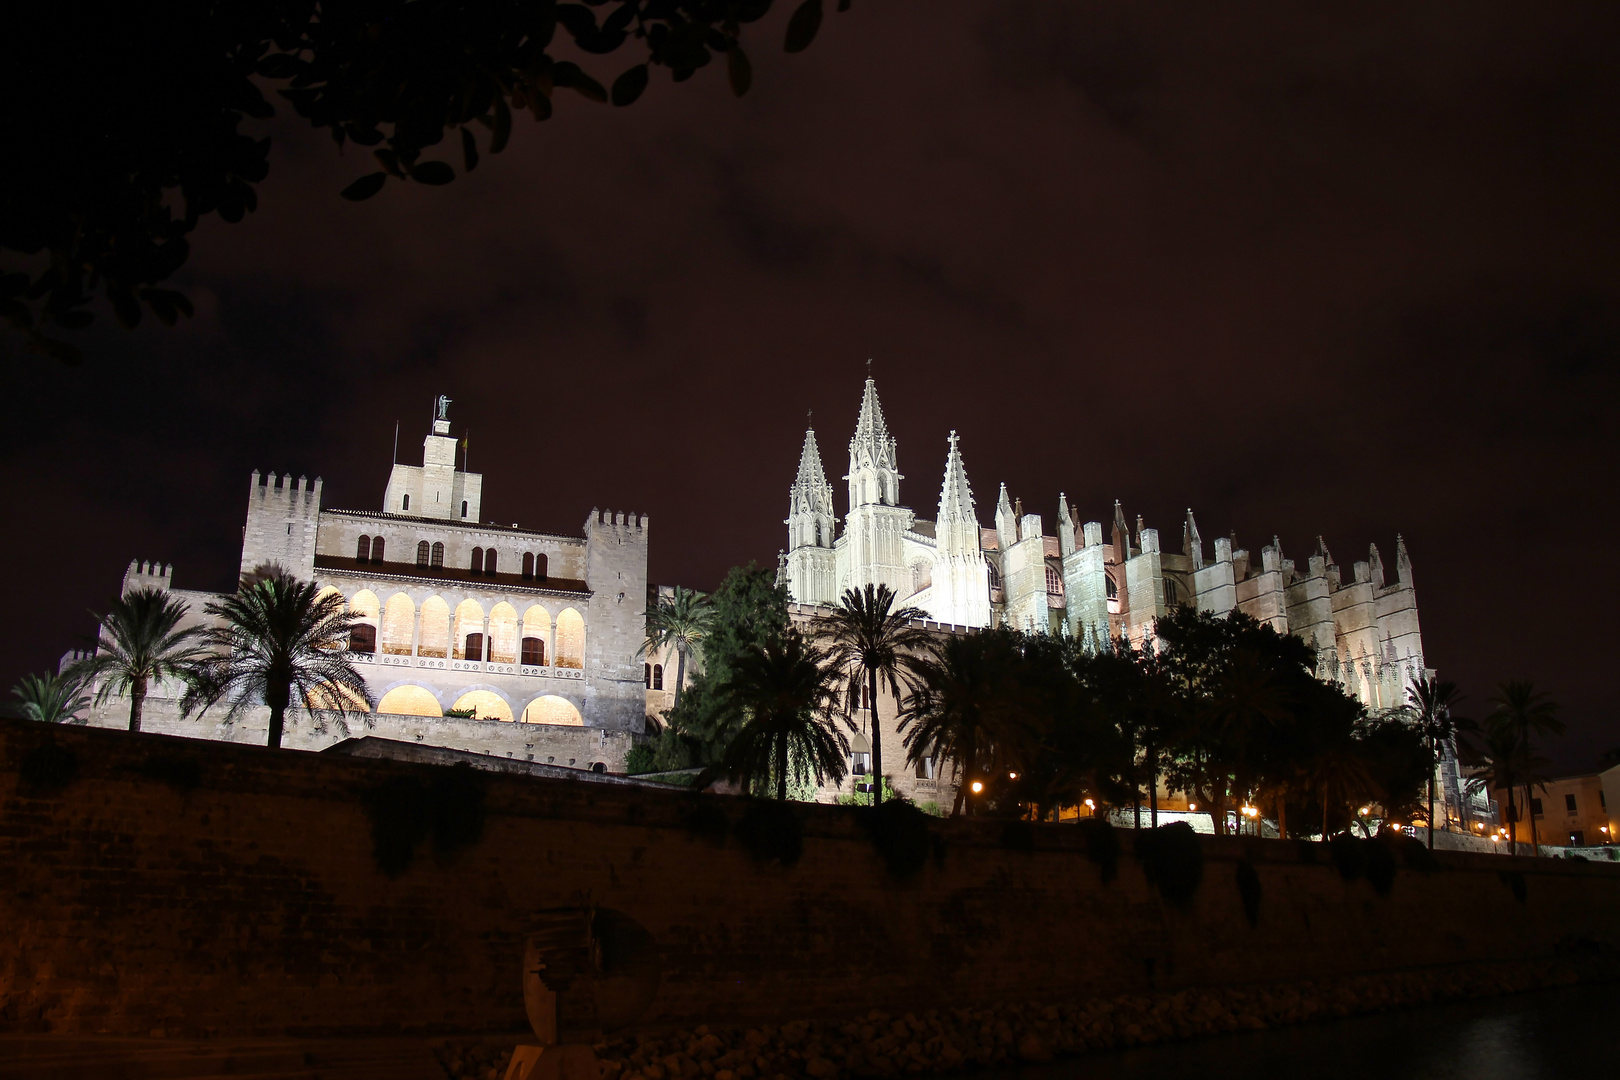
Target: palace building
x,y
472,635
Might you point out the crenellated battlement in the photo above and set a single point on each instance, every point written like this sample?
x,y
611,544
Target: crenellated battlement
x,y
300,494
622,523
283,519
147,575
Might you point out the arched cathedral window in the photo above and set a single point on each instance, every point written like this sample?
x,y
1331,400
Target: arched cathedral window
x,y
489,561
377,550
1054,582
1113,589
463,507
658,677
1172,596
362,550
528,564
405,504
438,554
478,560
423,550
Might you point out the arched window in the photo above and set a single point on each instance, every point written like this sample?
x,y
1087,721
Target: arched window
x,y
362,550
1172,597
866,696
363,639
534,652
1054,582
540,567
438,553
658,677
478,560
463,507
489,561
925,768
646,675
995,576
528,564
1113,589
475,646
377,550
405,504
423,549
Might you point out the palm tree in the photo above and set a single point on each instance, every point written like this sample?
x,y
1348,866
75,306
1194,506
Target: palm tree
x,y
680,621
872,643
959,708
1527,712
1338,772
277,635
1503,761
1431,704
51,699
139,642
787,698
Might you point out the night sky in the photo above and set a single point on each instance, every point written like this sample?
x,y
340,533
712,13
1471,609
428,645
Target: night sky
x,y
1347,274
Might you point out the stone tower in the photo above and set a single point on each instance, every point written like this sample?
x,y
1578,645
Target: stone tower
x,y
961,580
872,549
812,568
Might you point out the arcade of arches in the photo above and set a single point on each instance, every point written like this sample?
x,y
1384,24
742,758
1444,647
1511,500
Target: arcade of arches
x,y
499,636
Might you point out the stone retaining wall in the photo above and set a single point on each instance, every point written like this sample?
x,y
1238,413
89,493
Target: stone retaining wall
x,y
155,884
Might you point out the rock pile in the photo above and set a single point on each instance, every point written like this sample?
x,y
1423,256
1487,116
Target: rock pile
x,y
954,1040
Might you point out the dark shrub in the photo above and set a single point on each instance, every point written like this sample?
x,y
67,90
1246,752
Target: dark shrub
x,y
1102,845
1380,866
771,831
1173,859
48,769
1349,856
900,833
1248,887
1514,880
405,811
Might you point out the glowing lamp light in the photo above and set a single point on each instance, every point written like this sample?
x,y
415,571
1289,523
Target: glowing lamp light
x,y
1192,806
1091,804
1365,810
1012,776
977,787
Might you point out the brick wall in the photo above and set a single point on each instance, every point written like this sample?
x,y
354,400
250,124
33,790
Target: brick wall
x,y
161,884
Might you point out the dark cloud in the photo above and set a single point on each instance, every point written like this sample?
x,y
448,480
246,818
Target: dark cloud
x,y
1345,271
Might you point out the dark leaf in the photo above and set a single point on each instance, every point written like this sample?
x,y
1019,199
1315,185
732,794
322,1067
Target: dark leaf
x,y
389,160
279,66
628,87
802,27
469,151
577,20
433,172
365,187
739,70
569,75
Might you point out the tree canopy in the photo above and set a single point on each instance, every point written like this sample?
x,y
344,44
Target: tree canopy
x,y
128,129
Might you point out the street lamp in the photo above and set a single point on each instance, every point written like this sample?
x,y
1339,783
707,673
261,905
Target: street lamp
x,y
976,786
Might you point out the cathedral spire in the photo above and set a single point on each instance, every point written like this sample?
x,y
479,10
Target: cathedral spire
x,y
1006,524
1065,526
957,530
1192,545
955,496
812,477
874,475
1403,561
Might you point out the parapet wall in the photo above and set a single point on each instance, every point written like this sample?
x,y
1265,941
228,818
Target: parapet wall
x,y
153,884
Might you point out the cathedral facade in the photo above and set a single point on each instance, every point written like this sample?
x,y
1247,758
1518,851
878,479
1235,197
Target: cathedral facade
x,y
1091,581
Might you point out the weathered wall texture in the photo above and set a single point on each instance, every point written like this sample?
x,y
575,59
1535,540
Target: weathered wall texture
x,y
188,887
